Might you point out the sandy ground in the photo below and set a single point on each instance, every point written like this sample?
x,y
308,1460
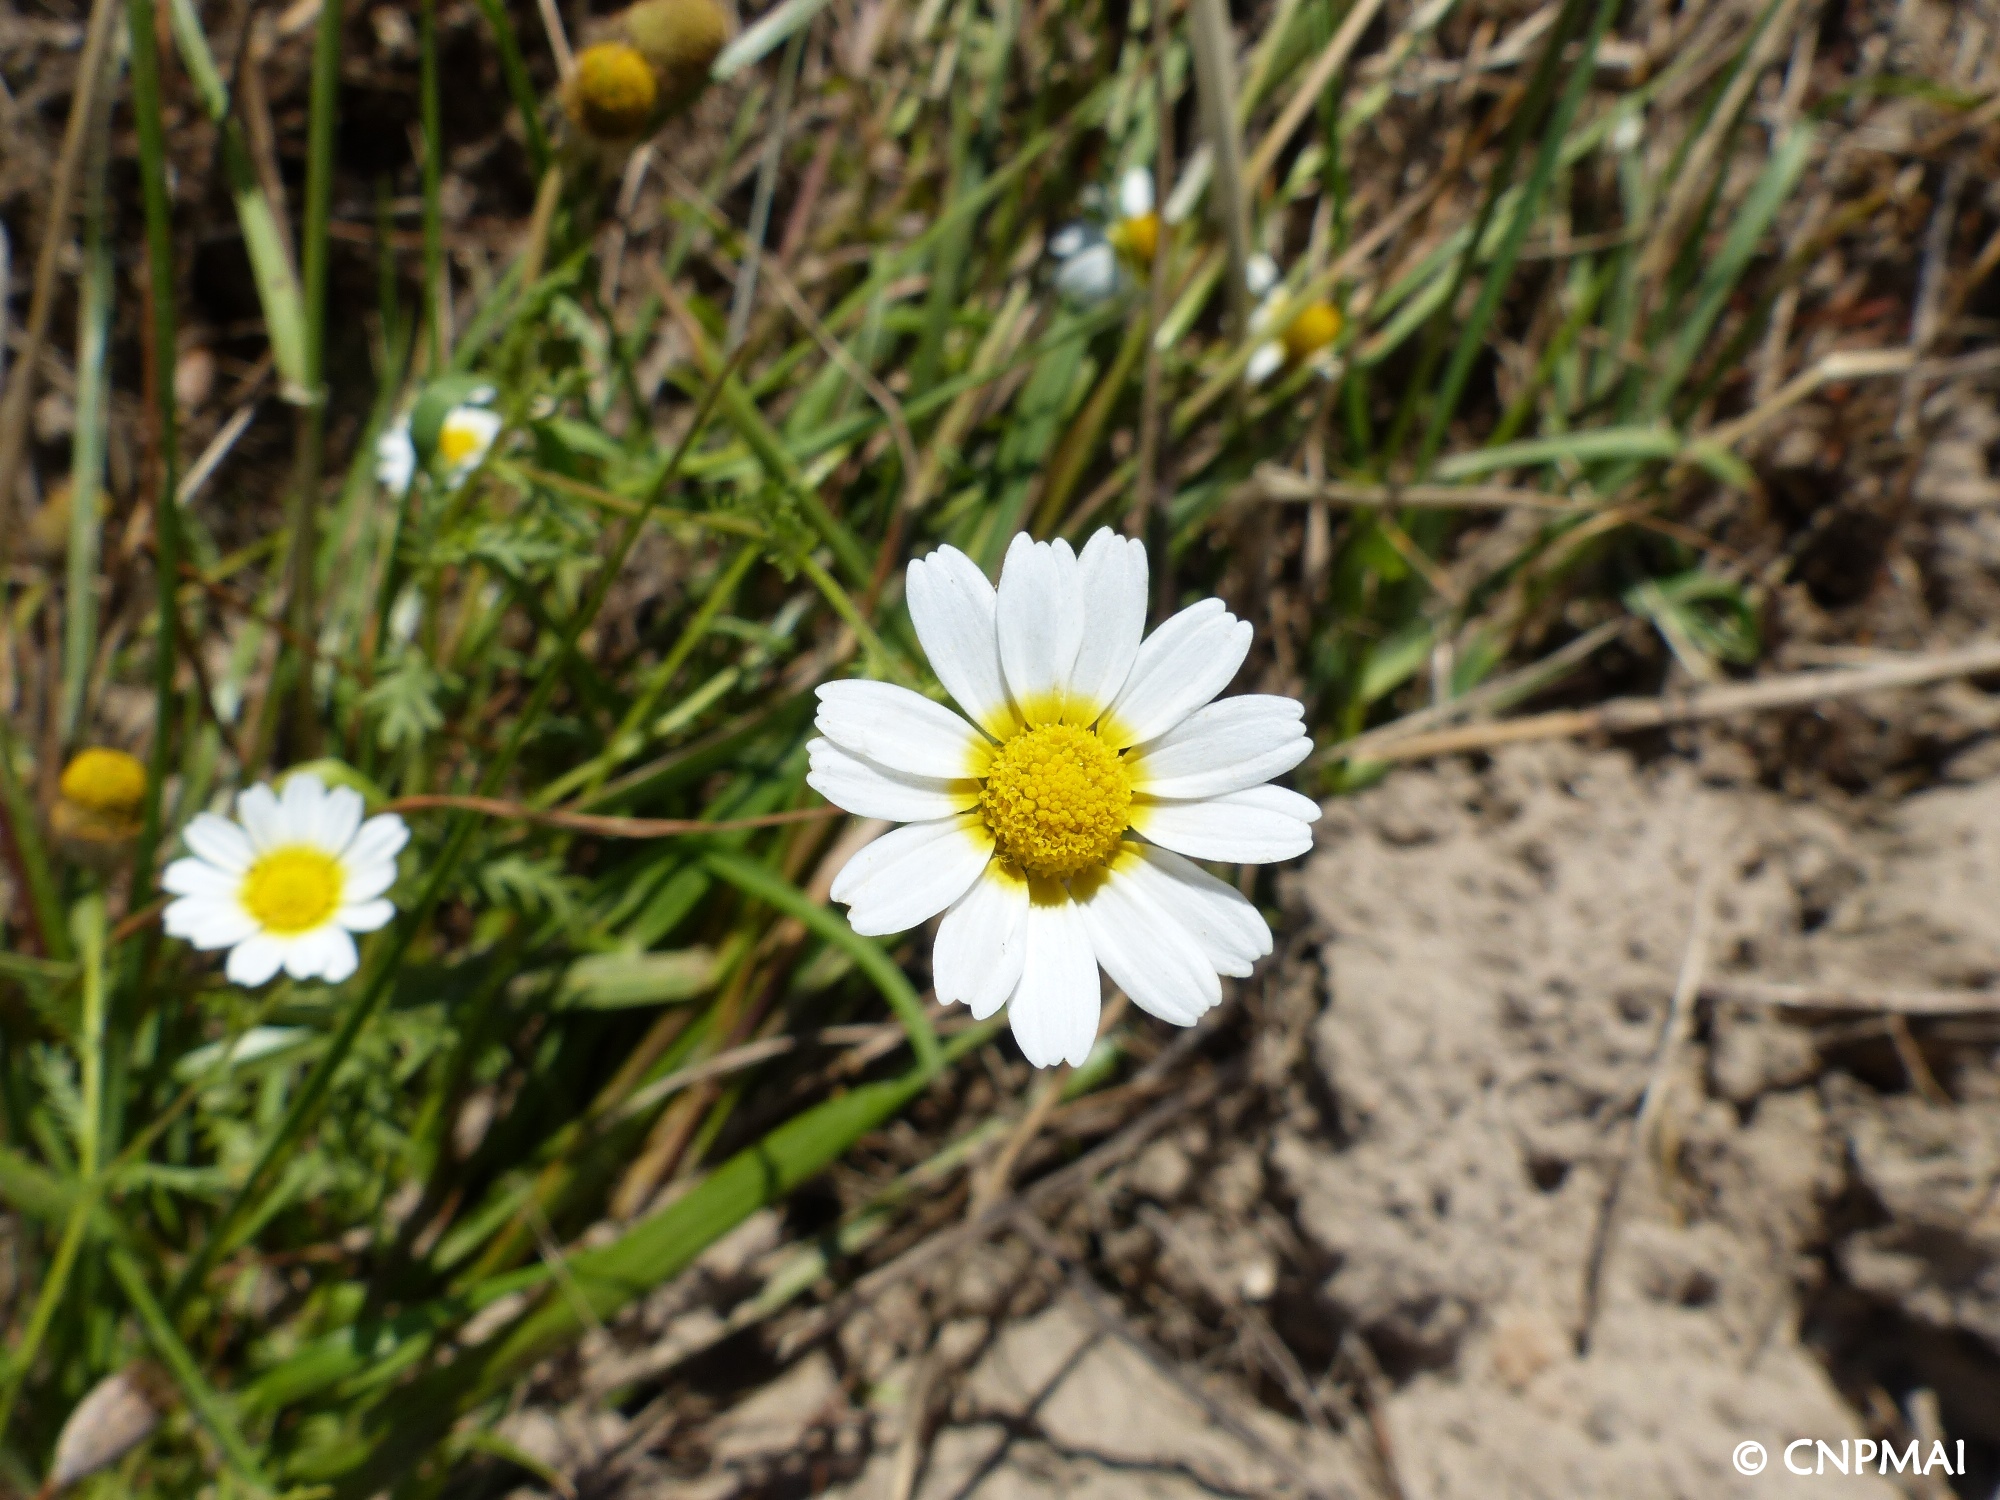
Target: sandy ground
x,y
1418,1249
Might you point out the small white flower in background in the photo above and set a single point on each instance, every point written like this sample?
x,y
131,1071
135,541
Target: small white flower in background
x,y
464,440
288,884
1290,337
1057,831
1091,256
396,458
464,436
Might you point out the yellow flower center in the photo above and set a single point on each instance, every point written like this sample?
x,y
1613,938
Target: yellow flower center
x,y
1138,237
1316,326
613,91
293,889
105,781
459,442
1057,801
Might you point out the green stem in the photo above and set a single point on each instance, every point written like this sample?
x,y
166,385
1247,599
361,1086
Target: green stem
x,y
166,518
23,825
302,522
436,294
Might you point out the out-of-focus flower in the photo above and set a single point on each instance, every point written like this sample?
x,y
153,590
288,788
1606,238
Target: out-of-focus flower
x,y
465,437
1093,255
1290,335
450,422
287,883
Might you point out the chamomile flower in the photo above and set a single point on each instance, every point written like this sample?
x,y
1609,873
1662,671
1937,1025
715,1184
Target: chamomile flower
x,y
450,424
464,439
1091,255
1291,336
288,883
1057,830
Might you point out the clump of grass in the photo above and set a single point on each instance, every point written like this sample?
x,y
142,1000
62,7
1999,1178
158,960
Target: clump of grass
x,y
741,377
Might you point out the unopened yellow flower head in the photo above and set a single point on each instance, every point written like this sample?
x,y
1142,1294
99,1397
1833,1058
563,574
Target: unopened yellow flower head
x,y
102,793
1316,325
611,95
682,39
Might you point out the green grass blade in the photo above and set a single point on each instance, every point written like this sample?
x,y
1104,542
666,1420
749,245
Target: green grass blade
x,y
756,880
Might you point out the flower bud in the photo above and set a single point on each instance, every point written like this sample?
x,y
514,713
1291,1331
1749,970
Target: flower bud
x,y
682,39
102,792
610,96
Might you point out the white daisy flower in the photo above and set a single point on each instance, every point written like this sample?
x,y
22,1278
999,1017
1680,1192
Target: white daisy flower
x,y
396,458
1289,336
288,885
1088,253
464,440
1057,831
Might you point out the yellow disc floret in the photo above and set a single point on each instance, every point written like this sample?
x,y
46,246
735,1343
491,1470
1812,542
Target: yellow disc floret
x,y
108,782
459,442
1316,326
1138,237
293,889
612,93
1057,801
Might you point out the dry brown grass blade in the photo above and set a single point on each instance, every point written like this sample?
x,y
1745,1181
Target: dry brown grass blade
x,y
1806,996
1645,1123
1306,96
1624,715
1214,46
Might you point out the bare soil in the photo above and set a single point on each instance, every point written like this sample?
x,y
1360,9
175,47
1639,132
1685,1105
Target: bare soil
x,y
1389,1259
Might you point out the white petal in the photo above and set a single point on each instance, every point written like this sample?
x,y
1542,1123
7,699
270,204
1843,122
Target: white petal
x,y
1182,665
981,943
365,882
1250,827
263,819
1068,240
300,800
1055,1008
220,842
912,873
381,839
339,818
1135,193
194,877
1040,620
1260,274
1225,747
952,605
396,459
857,785
1265,361
1218,917
206,923
1143,950
1090,276
1111,579
365,916
900,730
324,953
254,960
